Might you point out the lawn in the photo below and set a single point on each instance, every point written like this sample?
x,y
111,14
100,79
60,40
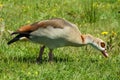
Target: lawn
x,y
100,18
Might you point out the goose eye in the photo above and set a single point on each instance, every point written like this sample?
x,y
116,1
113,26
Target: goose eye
x,y
102,44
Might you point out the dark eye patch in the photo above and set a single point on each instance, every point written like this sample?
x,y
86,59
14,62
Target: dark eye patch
x,y
102,44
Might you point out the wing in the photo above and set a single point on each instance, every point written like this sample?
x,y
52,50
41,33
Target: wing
x,y
51,28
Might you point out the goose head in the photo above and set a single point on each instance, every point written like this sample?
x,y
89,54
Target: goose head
x,y
100,45
97,43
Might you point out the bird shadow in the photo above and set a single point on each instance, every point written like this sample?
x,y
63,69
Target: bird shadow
x,y
32,59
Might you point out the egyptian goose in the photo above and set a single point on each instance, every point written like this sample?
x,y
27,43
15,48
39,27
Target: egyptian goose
x,y
55,33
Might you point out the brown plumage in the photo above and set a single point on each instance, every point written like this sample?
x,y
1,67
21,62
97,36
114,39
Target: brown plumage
x,y
55,33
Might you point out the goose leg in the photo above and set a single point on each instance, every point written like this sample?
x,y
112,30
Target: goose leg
x,y
50,55
39,59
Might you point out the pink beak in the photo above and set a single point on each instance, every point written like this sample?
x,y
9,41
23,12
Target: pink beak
x,y
105,53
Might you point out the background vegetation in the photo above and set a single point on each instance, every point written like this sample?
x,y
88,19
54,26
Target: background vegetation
x,y
101,18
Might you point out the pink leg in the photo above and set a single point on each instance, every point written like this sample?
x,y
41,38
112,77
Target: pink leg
x,y
39,59
50,55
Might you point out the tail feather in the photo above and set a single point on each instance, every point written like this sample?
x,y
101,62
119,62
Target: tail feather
x,y
18,37
14,39
14,33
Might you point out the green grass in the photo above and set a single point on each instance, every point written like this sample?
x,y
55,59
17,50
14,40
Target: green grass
x,y
18,61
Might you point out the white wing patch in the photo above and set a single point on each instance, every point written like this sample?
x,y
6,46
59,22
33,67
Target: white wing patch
x,y
51,32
